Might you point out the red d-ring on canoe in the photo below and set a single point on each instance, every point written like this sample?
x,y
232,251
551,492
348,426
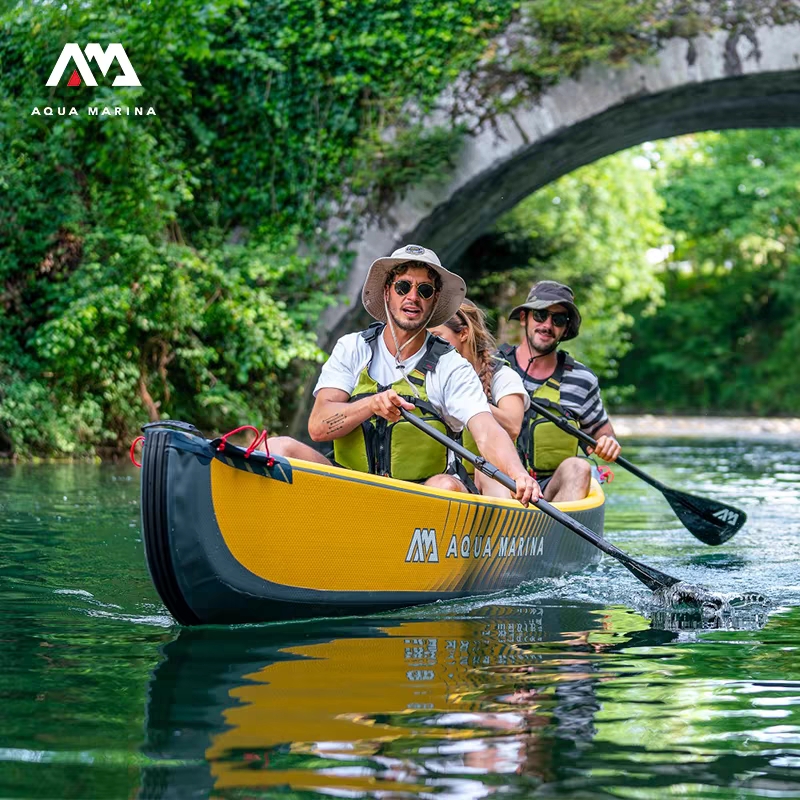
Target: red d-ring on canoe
x,y
224,437
133,447
261,438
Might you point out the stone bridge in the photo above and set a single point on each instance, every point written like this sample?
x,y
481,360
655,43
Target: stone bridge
x,y
709,82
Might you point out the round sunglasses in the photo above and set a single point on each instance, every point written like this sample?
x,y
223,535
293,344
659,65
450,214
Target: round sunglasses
x,y
560,318
424,290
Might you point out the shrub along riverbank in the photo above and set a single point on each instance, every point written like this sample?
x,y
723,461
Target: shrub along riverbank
x,y
173,264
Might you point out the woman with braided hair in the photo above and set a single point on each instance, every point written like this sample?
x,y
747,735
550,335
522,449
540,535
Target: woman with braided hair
x,y
508,400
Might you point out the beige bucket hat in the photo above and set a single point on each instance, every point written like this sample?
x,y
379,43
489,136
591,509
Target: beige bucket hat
x,y
452,292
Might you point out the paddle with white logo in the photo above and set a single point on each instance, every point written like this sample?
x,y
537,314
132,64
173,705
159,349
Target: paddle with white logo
x,y
672,592
710,521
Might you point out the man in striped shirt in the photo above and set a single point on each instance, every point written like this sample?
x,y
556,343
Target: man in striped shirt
x,y
568,388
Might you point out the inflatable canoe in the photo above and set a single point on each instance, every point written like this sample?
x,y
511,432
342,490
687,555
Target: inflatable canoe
x,y
233,538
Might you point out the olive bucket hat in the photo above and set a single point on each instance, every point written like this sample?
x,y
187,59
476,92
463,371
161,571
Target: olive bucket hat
x,y
451,294
550,293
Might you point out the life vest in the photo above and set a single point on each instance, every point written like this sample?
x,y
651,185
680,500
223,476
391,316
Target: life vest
x,y
467,438
541,444
397,449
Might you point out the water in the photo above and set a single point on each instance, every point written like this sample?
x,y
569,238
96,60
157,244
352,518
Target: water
x,y
579,687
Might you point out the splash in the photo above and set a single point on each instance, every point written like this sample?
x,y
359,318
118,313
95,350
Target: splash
x,y
686,606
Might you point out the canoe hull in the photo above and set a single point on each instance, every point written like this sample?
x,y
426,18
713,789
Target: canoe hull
x,y
229,539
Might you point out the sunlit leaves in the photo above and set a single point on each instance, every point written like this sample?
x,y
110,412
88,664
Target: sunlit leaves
x,y
726,338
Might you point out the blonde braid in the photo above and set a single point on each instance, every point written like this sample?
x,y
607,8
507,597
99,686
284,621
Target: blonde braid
x,y
480,344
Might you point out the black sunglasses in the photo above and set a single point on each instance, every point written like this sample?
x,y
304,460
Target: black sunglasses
x,y
424,290
560,318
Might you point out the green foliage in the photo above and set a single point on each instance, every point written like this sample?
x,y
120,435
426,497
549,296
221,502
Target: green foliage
x,y
574,35
417,155
553,40
149,265
726,338
292,88
37,418
139,326
711,329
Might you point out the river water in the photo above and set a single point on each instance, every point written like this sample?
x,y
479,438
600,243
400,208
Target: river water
x,y
580,687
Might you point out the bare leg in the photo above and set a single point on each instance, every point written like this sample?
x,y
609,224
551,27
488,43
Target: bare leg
x,y
291,448
446,482
570,481
489,487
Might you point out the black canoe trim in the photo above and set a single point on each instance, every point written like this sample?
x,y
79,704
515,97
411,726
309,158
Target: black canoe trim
x,y
155,531
258,462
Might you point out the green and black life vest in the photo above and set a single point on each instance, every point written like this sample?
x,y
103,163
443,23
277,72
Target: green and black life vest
x,y
541,444
397,449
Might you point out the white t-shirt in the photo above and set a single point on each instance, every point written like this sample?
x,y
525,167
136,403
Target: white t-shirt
x,y
507,381
454,389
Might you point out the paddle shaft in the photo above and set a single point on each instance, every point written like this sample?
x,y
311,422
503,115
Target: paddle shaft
x,y
652,578
711,521
584,437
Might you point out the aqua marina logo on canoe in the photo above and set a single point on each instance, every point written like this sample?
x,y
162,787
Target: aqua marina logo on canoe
x,y
423,547
82,74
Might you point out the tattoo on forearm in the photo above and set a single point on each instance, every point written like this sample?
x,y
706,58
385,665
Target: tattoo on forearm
x,y
334,423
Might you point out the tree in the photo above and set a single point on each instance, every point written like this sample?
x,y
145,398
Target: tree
x,y
725,339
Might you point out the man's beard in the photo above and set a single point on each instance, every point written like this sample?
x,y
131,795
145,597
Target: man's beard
x,y
409,326
542,351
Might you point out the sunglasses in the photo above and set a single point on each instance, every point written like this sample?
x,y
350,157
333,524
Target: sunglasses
x,y
560,318
424,290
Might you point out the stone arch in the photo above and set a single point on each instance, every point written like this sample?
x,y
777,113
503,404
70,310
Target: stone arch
x,y
711,82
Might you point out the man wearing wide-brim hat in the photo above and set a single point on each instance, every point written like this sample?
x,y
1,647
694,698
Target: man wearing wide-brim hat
x,y
564,386
396,363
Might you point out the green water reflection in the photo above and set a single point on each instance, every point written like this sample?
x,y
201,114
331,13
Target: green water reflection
x,y
572,687
574,698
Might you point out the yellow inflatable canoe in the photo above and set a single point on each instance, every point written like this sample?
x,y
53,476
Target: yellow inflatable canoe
x,y
231,538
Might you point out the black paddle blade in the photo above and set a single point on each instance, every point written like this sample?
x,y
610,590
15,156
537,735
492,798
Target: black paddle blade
x,y
653,579
710,521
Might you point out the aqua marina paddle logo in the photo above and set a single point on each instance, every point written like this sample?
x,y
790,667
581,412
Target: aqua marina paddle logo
x,y
727,516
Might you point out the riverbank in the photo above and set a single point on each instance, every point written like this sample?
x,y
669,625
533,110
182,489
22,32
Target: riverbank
x,y
638,425
707,427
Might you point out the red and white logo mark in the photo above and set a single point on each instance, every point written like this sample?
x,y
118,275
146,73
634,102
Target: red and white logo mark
x,y
104,59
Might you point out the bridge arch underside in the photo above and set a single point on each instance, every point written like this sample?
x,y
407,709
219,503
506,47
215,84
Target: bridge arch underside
x,y
763,100
769,100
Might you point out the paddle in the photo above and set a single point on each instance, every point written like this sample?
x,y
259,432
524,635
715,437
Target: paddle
x,y
651,578
710,521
